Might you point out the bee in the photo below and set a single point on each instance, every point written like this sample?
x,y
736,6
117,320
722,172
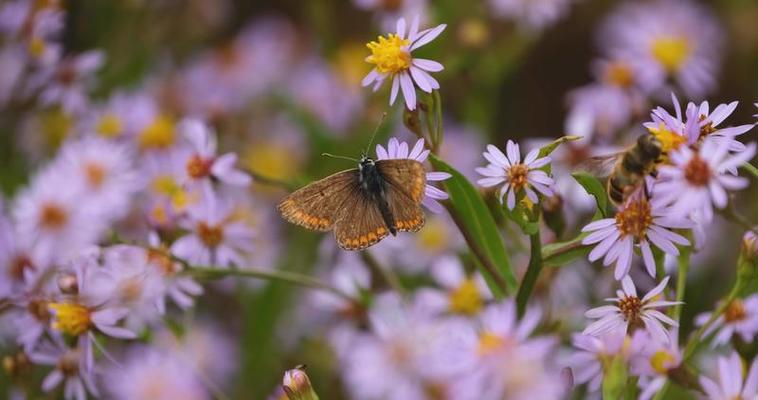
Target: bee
x,y
627,169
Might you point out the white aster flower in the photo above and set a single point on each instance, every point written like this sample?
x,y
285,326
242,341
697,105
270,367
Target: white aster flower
x,y
733,383
393,59
517,175
631,312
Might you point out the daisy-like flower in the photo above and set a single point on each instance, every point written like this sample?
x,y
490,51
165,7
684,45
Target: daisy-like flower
x,y
392,58
68,82
733,382
216,235
181,289
653,359
460,294
517,175
398,150
639,222
739,318
591,355
201,163
699,180
631,313
535,15
70,368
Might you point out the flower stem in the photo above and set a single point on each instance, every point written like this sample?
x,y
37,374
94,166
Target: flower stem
x,y
439,132
751,168
295,278
683,262
389,276
532,271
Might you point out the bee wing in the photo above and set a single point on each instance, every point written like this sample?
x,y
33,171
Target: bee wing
x,y
600,166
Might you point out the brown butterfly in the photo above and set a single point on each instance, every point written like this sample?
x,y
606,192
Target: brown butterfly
x,y
362,205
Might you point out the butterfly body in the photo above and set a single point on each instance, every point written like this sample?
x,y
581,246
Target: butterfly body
x,y
362,205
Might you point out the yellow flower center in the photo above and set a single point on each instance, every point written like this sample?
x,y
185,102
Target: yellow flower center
x,y
661,361
735,311
390,54
631,308
198,167
167,186
71,319
109,126
159,134
671,52
517,176
53,216
37,47
434,236
634,219
619,74
466,299
95,174
669,140
490,342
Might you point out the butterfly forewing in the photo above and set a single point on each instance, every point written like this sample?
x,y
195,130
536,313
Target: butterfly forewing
x,y
405,183
361,224
319,205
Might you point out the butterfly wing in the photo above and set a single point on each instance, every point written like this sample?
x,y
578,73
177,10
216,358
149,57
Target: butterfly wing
x,y
361,224
406,182
319,205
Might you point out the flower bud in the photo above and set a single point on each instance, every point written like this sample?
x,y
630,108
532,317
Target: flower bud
x,y
67,283
750,244
412,121
297,386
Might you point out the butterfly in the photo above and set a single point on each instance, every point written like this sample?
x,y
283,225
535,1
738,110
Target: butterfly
x,y
362,205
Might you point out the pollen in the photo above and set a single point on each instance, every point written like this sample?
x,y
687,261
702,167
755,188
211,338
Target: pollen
x,y
109,126
671,52
669,140
631,308
489,343
199,167
160,134
635,218
466,299
697,172
71,319
735,311
37,47
211,235
661,361
435,236
517,176
619,74
95,174
390,54
53,216
158,256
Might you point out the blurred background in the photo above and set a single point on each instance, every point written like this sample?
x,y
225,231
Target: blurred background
x,y
280,83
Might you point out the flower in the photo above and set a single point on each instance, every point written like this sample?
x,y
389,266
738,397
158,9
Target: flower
x,y
70,367
668,39
460,294
592,353
392,58
399,150
733,382
534,15
640,221
632,313
517,176
698,180
67,82
181,289
740,317
652,360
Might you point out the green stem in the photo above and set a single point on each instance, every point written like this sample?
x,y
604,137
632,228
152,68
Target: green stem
x,y
683,262
750,168
295,278
532,271
439,132
389,276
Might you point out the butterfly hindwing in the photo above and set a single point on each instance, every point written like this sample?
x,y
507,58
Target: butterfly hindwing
x,y
405,183
319,205
361,224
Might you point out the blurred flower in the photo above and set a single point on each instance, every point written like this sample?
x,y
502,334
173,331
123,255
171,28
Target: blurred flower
x,y
653,360
460,294
392,58
68,82
534,15
517,176
671,39
734,382
740,317
70,368
641,221
388,12
149,373
297,386
216,237
399,150
632,313
180,288
592,353
699,180
600,109
461,147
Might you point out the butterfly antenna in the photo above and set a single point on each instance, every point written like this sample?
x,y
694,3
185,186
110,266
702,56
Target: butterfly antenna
x,y
339,157
373,135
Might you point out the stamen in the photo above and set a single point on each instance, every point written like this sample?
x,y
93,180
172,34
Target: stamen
x,y
211,235
466,299
53,216
735,311
198,167
69,318
635,218
390,54
697,171
671,52
517,176
95,174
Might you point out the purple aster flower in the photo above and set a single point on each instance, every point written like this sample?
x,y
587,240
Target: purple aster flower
x,y
387,14
70,368
631,313
516,175
393,59
398,150
68,82
739,318
671,39
600,109
180,288
533,15
459,293
216,235
699,180
653,359
733,381
592,353
638,222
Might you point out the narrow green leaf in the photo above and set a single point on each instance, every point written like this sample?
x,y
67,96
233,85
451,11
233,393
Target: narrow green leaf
x,y
615,378
595,188
475,217
550,147
562,253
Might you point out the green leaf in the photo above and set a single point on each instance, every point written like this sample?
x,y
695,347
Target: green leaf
x,y
595,188
520,215
615,378
550,147
561,253
474,216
